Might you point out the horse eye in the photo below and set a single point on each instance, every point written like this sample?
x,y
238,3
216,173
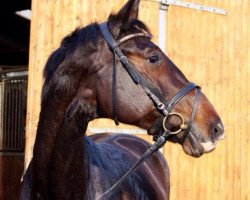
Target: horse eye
x,y
153,59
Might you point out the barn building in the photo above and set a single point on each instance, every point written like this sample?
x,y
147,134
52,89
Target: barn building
x,y
208,40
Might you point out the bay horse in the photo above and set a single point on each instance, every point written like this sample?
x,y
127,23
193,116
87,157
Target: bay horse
x,y
113,70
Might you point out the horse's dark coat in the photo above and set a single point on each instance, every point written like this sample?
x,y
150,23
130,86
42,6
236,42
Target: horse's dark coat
x,y
113,163
77,89
106,164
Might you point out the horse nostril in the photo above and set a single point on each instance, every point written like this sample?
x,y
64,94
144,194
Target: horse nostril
x,y
218,132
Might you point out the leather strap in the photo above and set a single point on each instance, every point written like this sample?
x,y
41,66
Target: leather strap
x,y
182,93
114,104
195,107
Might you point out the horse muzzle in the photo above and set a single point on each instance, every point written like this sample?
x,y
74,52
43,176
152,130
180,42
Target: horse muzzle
x,y
195,146
217,134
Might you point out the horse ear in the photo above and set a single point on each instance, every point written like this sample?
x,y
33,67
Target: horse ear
x,y
122,19
129,11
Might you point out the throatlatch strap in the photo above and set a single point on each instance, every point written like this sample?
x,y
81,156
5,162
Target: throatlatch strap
x,y
114,103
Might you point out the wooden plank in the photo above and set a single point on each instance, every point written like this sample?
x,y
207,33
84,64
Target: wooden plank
x,y
219,191
237,99
247,149
32,104
244,182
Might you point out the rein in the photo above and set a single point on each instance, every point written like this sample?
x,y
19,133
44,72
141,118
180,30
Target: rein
x,y
164,106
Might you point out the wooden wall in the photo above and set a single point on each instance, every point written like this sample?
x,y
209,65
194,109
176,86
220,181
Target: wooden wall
x,y
212,50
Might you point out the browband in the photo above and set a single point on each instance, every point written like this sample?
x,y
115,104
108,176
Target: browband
x,y
128,37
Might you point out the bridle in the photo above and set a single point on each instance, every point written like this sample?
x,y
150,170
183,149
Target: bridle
x,y
164,106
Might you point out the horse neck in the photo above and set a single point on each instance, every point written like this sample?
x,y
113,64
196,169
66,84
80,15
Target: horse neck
x,y
59,151
69,166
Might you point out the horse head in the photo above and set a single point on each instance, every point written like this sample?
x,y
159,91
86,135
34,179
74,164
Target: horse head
x,y
132,104
95,74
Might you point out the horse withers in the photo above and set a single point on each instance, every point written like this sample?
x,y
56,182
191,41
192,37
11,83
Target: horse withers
x,y
114,70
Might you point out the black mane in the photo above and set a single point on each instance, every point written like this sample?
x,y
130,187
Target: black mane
x,y
87,38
